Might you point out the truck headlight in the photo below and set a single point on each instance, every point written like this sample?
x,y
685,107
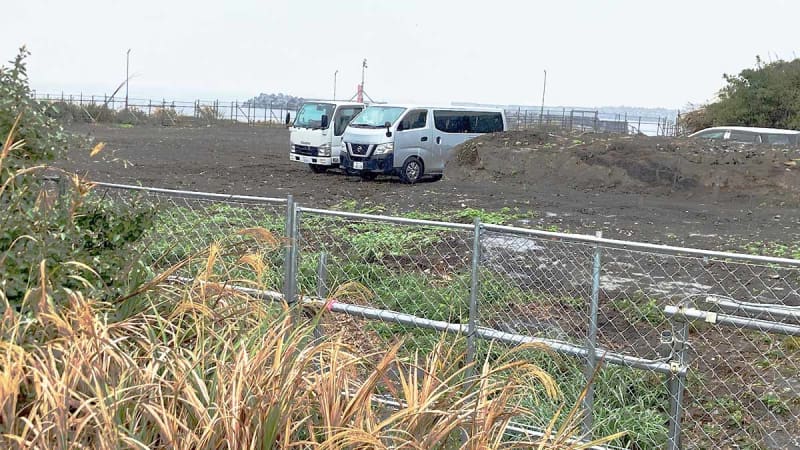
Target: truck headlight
x,y
324,149
384,149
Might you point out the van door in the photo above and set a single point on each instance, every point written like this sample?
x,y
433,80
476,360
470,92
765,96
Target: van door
x,y
413,137
342,117
450,129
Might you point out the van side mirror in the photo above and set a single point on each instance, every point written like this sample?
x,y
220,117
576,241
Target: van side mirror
x,y
323,121
288,118
388,126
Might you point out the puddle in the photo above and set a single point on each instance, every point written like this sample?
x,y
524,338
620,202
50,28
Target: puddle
x,y
649,285
513,244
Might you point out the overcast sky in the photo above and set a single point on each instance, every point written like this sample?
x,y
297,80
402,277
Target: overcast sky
x,y
596,53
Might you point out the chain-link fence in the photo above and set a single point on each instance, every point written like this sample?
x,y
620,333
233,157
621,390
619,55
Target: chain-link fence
x,y
245,235
104,108
693,349
591,120
724,326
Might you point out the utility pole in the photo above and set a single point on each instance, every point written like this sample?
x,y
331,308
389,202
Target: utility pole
x,y
363,72
544,89
360,94
334,83
127,77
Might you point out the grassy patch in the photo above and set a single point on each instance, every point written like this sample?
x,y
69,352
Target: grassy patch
x,y
772,248
640,308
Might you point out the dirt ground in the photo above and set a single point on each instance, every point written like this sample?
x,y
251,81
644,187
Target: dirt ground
x,y
629,187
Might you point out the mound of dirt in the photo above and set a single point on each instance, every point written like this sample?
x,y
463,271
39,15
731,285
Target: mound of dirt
x,y
629,164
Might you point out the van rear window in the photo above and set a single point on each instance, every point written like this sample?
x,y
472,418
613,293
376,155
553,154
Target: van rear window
x,y
468,121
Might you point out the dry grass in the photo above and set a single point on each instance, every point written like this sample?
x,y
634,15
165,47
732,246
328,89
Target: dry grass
x,y
205,366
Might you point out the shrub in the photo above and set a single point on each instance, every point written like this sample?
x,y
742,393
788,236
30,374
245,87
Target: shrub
x,y
764,96
62,230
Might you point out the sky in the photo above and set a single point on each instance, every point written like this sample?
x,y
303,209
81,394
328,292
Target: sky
x,y
596,53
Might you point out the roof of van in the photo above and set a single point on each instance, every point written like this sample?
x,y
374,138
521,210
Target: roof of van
x,y
750,129
333,102
448,107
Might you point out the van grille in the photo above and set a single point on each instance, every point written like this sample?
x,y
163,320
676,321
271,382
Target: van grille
x,y
358,149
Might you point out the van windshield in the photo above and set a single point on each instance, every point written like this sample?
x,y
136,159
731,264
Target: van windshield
x,y
377,116
310,115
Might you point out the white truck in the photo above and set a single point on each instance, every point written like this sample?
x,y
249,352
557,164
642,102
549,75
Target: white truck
x,y
315,136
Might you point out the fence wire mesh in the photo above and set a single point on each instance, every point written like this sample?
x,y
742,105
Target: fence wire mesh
x,y
182,226
387,268
742,385
726,329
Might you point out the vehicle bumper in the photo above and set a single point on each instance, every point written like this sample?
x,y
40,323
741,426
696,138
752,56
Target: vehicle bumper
x,y
377,164
318,160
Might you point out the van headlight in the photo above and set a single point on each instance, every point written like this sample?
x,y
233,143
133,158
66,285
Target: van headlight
x,y
324,149
384,149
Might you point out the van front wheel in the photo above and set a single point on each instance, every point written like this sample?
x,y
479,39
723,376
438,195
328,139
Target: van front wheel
x,y
411,171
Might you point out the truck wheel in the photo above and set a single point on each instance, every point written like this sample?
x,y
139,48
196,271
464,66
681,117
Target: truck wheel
x,y
412,170
316,168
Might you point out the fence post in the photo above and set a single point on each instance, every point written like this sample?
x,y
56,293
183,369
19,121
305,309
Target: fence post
x,y
322,286
290,280
473,296
591,353
677,383
62,186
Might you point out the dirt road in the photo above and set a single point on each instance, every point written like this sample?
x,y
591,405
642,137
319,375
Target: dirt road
x,y
254,161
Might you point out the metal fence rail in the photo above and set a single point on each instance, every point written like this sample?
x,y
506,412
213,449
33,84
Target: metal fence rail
x,y
99,108
591,120
697,349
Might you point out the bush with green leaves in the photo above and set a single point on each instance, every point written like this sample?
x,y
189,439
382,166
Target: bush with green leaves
x,y
44,137
765,96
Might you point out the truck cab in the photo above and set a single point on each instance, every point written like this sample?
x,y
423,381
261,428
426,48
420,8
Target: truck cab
x,y
315,135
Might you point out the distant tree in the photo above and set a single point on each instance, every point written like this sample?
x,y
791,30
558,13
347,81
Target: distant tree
x,y
765,96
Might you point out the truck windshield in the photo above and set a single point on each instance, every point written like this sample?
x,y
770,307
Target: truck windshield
x,y
310,115
377,116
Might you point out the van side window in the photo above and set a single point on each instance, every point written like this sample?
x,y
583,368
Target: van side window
x,y
743,136
711,134
451,121
487,122
468,121
343,117
416,118
778,139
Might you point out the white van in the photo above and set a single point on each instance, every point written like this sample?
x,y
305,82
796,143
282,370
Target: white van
x,y
750,135
412,141
315,136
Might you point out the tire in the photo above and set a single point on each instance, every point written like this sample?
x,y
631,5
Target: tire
x,y
316,168
412,170
368,176
436,177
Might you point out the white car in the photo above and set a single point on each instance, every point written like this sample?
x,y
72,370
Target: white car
x,y
750,135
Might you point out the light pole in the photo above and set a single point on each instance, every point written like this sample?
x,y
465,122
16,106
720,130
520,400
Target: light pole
x,y
544,89
334,83
127,77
